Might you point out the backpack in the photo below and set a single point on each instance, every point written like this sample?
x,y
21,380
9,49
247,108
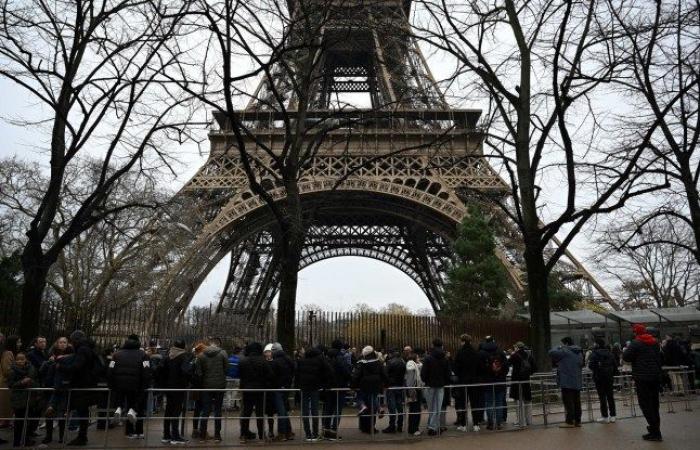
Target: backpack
x,y
495,364
606,367
525,369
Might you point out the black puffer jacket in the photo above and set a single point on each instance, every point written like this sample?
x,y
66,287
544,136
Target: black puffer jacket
x,y
488,352
283,370
436,369
313,371
80,367
130,369
174,369
369,375
341,369
467,365
603,364
254,370
396,371
646,359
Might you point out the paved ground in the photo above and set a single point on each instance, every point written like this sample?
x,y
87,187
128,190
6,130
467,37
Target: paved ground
x,y
681,431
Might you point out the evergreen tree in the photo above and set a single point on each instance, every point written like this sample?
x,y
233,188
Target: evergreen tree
x,y
476,283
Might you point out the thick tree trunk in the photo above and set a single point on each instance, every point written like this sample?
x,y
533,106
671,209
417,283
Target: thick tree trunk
x,y
35,270
693,206
538,298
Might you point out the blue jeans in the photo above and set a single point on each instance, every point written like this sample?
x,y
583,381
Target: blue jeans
x,y
284,426
433,397
211,400
495,402
309,410
333,403
394,402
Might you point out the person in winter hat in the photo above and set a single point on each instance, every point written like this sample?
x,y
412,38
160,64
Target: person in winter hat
x,y
334,400
435,373
313,373
645,356
603,364
256,373
370,378
175,373
568,358
129,375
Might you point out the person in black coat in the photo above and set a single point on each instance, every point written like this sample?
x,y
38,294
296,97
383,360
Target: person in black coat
x,y
436,375
524,366
174,372
334,400
494,370
256,373
466,368
396,373
313,374
603,364
369,377
129,376
283,370
645,356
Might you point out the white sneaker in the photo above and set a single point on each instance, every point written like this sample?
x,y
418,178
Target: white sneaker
x,y
476,428
132,416
418,433
118,412
603,420
461,428
612,419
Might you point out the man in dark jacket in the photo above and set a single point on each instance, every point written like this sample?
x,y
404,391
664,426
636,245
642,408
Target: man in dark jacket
x,y
568,359
603,364
436,375
494,369
79,369
211,370
313,374
174,373
283,377
37,355
129,375
256,373
334,400
523,364
369,377
466,368
396,372
645,356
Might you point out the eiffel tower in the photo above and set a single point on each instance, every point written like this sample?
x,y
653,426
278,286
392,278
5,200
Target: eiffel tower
x,y
402,208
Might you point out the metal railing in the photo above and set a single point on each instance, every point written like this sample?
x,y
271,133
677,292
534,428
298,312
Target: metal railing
x,y
487,402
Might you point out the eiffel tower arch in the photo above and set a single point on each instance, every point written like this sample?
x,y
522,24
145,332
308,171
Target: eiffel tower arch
x,y
393,188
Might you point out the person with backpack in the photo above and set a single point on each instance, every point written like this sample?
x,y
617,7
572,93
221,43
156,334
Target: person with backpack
x,y
313,373
523,364
568,359
334,400
256,373
603,364
129,376
414,385
494,370
435,373
645,356
369,378
283,378
175,372
467,370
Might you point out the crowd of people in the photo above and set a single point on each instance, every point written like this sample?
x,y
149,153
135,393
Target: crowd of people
x,y
400,383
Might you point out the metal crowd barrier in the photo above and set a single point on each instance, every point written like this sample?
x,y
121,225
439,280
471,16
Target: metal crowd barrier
x,y
545,409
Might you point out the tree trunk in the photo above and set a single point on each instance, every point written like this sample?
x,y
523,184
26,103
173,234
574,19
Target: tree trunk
x,y
693,206
35,270
538,297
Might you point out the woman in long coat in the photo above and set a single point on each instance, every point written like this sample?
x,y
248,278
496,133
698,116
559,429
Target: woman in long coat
x,y
10,349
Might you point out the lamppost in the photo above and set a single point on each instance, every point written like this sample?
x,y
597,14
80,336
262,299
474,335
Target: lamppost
x,y
311,317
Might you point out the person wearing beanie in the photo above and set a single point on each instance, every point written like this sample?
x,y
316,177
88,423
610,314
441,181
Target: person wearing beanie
x,y
174,373
568,359
370,379
129,375
603,364
524,366
645,356
255,373
283,378
334,400
313,373
211,370
467,365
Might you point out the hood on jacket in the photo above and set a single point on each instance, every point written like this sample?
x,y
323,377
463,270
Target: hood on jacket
x,y
312,353
278,354
174,352
489,347
254,348
437,353
212,351
131,344
602,351
646,339
574,348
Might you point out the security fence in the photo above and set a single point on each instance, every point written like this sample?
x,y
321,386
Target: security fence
x,y
332,413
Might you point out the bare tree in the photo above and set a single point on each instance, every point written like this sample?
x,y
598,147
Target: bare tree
x,y
655,274
655,53
97,70
542,127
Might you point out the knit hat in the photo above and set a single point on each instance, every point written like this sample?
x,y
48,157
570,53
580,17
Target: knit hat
x,y
367,350
277,347
76,336
638,329
268,348
520,344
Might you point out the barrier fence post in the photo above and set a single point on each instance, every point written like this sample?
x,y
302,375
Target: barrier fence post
x,y
589,401
544,402
146,425
108,417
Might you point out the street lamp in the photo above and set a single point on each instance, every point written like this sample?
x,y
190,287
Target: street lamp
x,y
311,317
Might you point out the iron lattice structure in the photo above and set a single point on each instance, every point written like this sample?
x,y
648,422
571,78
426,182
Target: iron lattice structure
x,y
391,185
